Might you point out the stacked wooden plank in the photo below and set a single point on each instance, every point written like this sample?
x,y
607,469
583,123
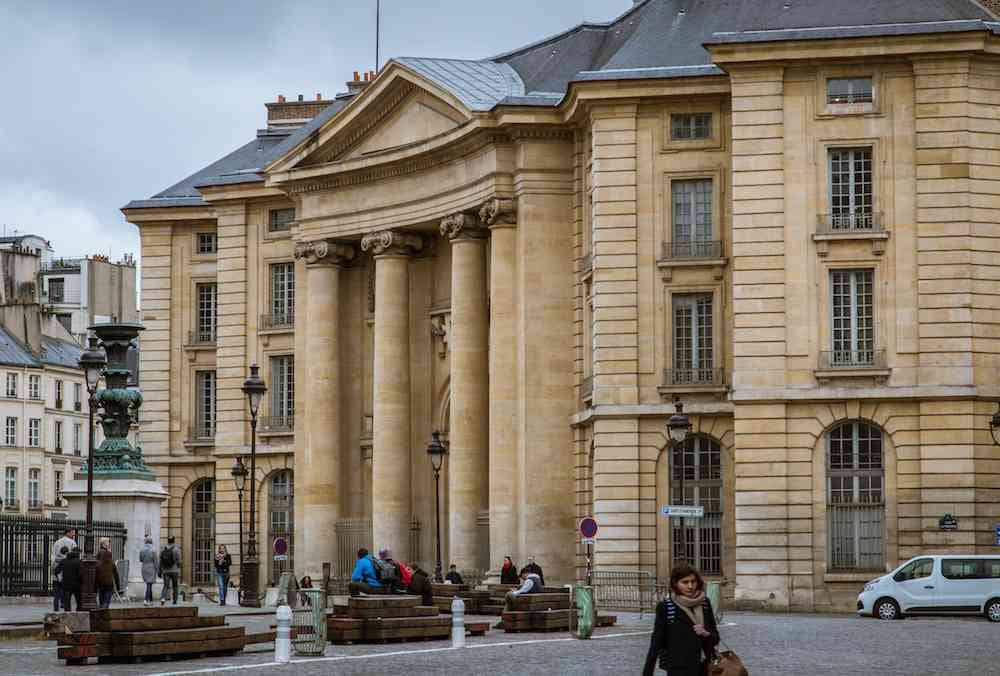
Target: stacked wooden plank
x,y
538,612
135,634
387,618
498,595
474,599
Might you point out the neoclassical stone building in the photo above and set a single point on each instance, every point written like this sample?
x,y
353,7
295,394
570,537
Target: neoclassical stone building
x,y
782,213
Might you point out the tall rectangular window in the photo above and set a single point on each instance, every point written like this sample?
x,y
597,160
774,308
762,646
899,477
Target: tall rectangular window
x,y
57,290
687,126
840,90
281,220
10,432
283,391
283,294
692,219
58,485
58,436
851,200
207,243
34,432
77,434
34,387
10,487
853,320
34,488
205,401
77,397
693,340
59,394
207,295
12,385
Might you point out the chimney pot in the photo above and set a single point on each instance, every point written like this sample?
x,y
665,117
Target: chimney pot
x,y
281,98
319,96
301,98
357,76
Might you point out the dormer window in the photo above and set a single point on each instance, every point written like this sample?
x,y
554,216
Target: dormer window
x,y
849,90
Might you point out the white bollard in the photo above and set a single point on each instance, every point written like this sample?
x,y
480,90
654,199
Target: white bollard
x,y
283,638
457,623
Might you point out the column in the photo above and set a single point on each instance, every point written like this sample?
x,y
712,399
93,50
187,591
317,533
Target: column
x,y
318,464
391,509
504,495
468,472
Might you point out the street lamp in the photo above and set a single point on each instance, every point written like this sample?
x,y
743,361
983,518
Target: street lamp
x,y
92,361
995,425
436,450
254,388
239,473
678,427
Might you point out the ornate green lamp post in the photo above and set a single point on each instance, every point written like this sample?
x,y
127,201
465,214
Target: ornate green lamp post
x,y
92,361
254,389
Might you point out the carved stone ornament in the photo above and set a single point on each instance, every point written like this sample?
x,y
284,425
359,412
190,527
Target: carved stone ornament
x,y
498,211
325,251
392,242
462,225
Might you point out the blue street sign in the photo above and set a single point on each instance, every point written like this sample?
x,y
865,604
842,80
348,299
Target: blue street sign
x,y
997,532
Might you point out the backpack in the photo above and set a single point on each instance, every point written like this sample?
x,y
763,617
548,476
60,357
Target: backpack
x,y
405,575
385,571
167,558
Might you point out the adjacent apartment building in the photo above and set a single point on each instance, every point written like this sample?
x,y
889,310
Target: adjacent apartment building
x,y
81,292
782,214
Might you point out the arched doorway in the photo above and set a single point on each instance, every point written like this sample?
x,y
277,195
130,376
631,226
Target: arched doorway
x,y
280,520
202,531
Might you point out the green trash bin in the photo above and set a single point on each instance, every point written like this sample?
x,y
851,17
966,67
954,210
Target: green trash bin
x,y
586,613
713,590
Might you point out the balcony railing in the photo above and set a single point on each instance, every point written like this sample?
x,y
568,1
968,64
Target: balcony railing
x,y
277,320
684,251
700,377
852,359
277,424
202,432
587,388
854,222
59,402
77,405
201,337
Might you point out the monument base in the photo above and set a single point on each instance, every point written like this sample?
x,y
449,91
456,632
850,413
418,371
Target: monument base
x,y
136,503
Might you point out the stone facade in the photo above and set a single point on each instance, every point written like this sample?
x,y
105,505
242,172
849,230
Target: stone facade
x,y
515,277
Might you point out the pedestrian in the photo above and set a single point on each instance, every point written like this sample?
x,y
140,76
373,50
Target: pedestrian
x,y
453,575
530,584
170,570
685,634
148,560
106,578
387,571
533,567
508,573
363,578
222,563
68,540
421,586
71,579
57,576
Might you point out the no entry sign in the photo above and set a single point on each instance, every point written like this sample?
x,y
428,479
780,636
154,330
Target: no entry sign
x,y
588,527
280,549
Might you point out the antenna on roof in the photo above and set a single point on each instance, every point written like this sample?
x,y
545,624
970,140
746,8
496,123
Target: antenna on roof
x,y
378,17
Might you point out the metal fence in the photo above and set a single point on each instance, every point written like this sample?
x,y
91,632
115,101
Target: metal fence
x,y
26,550
352,535
624,590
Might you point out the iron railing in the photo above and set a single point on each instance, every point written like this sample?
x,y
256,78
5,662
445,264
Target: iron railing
x,y
352,535
277,424
201,431
852,359
26,550
857,537
587,388
202,337
623,589
698,249
700,377
277,320
849,222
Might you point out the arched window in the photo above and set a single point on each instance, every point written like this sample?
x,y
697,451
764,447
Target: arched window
x,y
697,467
855,503
202,531
280,519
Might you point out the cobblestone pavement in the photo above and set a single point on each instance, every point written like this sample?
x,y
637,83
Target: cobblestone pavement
x,y
771,645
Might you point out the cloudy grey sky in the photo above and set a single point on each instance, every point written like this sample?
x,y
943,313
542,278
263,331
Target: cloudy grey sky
x,y
104,101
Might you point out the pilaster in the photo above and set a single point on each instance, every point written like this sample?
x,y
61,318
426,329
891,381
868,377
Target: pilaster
x,y
156,355
232,430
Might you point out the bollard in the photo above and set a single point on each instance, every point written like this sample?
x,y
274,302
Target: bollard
x,y
283,637
458,623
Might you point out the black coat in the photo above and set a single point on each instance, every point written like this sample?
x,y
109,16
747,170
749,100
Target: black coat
x,y
509,575
673,637
72,579
224,567
536,569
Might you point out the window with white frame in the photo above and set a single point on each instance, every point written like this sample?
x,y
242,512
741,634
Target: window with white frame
x,y
691,220
34,387
207,296
57,290
688,126
34,432
851,189
205,402
12,385
10,431
58,436
283,294
77,434
845,90
694,360
207,243
58,485
280,220
699,461
855,497
282,392
34,488
10,487
59,394
853,318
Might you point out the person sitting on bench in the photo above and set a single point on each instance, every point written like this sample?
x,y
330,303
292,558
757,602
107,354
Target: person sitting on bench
x,y
363,579
530,584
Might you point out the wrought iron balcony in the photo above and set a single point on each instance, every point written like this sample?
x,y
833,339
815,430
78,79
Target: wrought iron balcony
x,y
852,359
202,337
276,424
686,251
699,377
587,388
849,223
277,320
201,432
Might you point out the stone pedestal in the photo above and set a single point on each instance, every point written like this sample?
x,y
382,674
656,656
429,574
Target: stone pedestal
x,y
134,502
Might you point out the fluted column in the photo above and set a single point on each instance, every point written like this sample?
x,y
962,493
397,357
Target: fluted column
x,y
319,467
504,462
468,472
391,509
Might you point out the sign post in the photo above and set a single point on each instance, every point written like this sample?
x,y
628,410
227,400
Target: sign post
x,y
588,531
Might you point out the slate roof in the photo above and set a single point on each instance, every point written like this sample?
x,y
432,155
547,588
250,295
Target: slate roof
x,y
14,353
61,352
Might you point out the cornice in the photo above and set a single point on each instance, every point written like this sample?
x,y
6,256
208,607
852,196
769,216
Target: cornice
x,y
353,135
325,252
392,243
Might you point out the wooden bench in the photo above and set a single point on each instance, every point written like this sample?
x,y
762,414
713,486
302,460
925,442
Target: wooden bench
x,y
387,618
536,620
477,628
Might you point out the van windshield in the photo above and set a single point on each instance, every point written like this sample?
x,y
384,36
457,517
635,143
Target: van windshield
x,y
915,570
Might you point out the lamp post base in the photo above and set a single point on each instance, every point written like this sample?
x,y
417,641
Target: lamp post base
x,y
250,581
88,588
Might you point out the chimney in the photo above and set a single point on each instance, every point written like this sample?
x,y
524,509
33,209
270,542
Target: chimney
x,y
355,86
284,114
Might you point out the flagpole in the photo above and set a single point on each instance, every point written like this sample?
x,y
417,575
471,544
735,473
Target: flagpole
x,y
378,13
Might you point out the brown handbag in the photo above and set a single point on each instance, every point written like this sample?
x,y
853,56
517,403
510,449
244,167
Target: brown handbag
x,y
726,663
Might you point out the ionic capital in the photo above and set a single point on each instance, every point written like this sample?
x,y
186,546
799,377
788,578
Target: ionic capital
x,y
499,212
392,242
325,252
462,226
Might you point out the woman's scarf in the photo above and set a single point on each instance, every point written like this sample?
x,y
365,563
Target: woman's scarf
x,y
507,565
220,557
692,605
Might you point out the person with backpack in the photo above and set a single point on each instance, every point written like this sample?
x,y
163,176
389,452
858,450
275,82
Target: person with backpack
x,y
364,579
533,567
685,634
57,576
170,570
530,584
72,579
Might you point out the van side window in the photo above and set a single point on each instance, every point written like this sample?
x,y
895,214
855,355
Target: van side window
x,y
961,569
991,568
915,570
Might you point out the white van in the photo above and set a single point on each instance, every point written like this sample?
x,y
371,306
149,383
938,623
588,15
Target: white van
x,y
936,584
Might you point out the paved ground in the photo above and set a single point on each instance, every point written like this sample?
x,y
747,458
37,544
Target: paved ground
x,y
771,645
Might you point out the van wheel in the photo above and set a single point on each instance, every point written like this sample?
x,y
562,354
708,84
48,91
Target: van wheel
x,y
993,610
887,609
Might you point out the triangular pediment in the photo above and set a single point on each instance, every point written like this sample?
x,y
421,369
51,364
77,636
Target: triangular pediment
x,y
419,118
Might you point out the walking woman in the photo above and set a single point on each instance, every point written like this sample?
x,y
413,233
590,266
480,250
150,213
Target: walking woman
x,y
222,563
148,559
685,634
106,577
508,574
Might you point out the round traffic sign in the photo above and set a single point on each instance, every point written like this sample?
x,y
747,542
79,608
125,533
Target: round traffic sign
x,y
588,527
280,546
